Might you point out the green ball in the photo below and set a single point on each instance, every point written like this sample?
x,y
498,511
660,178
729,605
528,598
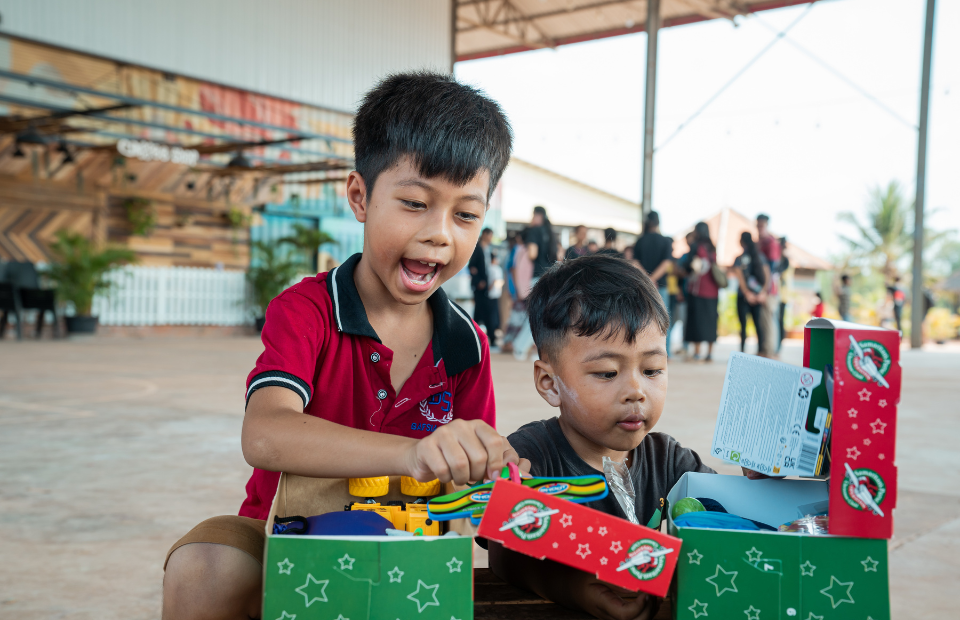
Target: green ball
x,y
687,504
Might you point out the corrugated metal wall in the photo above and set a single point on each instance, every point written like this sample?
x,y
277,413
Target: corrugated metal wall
x,y
324,52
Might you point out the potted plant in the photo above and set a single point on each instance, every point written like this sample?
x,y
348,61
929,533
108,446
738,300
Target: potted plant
x,y
308,241
79,271
270,272
141,214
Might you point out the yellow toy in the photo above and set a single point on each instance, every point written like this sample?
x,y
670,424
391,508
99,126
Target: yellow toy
x,y
405,516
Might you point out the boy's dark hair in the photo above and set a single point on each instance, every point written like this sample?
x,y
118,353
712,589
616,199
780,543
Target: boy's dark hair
x,y
609,234
763,217
844,278
449,129
485,231
593,295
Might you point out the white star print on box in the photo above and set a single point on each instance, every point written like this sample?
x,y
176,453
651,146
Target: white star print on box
x,y
836,589
603,561
566,520
413,596
346,562
805,567
454,565
869,565
309,599
285,616
695,557
853,453
698,608
814,616
864,394
753,613
590,529
883,402
573,535
726,580
340,617
395,575
583,551
878,426
286,566
866,441
750,555
852,412
602,531
616,547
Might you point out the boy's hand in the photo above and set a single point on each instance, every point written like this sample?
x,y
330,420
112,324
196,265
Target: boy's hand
x,y
462,451
609,602
756,475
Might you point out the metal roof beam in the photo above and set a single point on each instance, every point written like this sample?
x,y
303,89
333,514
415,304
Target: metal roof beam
x,y
521,17
34,80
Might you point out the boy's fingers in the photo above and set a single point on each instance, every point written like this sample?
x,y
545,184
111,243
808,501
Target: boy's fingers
x,y
525,466
476,452
435,461
495,445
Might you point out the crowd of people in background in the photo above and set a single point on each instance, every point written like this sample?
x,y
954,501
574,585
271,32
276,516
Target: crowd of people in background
x,y
689,285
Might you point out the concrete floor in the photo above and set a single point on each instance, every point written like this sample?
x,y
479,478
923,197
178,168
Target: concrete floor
x,y
111,449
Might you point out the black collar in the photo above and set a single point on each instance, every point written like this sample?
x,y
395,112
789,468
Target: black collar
x,y
455,338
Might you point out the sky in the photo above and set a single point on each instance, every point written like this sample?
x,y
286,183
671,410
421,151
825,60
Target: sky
x,y
788,138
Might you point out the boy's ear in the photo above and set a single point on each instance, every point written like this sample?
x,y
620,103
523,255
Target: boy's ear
x,y
544,378
357,196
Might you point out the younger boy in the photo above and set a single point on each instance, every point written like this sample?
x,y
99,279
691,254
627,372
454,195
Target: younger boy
x,y
600,327
394,378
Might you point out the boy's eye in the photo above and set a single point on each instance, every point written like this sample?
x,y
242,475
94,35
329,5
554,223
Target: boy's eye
x,y
413,204
653,372
468,217
606,375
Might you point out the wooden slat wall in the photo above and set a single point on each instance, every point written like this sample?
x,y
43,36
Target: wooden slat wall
x,y
192,228
186,235
32,213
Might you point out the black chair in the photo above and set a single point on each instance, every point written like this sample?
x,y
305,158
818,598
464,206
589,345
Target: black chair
x,y
20,290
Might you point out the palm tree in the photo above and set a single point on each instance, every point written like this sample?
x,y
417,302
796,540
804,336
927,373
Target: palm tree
x,y
886,236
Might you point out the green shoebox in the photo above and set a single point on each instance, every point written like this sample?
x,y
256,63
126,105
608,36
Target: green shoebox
x,y
767,575
364,578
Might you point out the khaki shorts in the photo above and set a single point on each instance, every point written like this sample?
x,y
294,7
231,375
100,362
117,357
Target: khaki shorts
x,y
241,533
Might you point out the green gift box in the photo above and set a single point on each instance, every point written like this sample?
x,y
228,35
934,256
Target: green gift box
x,y
764,575
363,577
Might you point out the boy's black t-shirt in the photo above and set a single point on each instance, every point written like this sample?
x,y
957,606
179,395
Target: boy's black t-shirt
x,y
658,462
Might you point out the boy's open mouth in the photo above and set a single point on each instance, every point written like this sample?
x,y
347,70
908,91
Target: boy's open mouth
x,y
418,275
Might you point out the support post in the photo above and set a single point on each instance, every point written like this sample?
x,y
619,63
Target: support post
x,y
916,308
453,34
650,103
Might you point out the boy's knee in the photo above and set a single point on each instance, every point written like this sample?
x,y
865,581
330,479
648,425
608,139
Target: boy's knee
x,y
206,581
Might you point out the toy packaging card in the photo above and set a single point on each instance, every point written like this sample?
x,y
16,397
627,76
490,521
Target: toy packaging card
x,y
762,421
543,526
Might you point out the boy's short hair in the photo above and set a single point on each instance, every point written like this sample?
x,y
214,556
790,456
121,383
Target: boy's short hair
x,y
449,129
593,295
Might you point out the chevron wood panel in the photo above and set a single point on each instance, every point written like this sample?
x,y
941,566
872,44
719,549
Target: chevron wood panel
x,y
25,233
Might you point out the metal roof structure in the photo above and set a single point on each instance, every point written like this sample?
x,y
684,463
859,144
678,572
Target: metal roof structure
x,y
495,27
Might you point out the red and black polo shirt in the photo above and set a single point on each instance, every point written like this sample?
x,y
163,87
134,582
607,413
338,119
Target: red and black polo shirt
x,y
319,343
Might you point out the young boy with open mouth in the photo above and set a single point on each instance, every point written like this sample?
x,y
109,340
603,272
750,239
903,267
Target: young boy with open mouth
x,y
393,377
600,328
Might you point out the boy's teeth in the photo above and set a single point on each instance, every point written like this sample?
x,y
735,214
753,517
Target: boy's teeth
x,y
432,264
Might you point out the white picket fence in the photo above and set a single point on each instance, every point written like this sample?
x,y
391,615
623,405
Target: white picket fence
x,y
174,296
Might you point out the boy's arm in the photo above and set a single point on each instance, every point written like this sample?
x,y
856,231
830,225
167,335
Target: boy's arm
x,y
570,587
277,436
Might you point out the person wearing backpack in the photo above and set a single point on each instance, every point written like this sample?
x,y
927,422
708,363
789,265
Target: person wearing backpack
x,y
753,274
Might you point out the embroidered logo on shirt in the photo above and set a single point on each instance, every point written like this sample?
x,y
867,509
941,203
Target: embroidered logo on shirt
x,y
445,401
